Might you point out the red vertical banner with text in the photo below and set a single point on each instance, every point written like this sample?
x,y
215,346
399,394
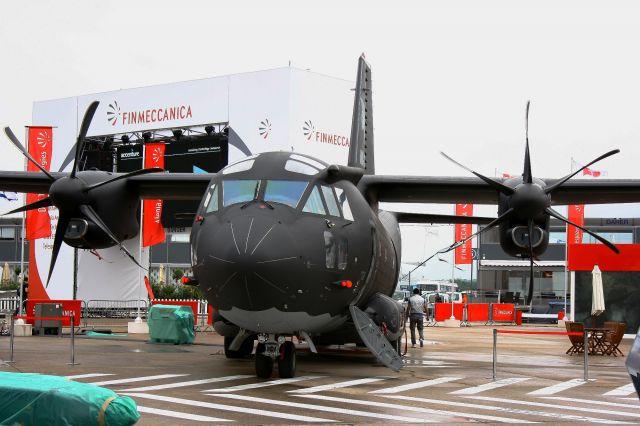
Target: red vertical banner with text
x,y
40,140
576,215
463,252
152,229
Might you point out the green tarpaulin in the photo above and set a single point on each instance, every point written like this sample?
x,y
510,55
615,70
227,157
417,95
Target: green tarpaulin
x,y
171,324
37,399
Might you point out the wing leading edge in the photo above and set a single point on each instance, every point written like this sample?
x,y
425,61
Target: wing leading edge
x,y
166,186
436,189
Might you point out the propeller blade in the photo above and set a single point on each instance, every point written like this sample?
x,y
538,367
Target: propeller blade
x,y
527,177
45,202
604,241
69,158
493,224
497,185
88,211
530,295
18,145
84,128
549,189
61,228
125,176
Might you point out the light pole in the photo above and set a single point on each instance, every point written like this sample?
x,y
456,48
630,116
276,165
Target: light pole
x,y
453,268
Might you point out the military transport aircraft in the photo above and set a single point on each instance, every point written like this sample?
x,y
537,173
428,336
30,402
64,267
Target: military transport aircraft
x,y
286,245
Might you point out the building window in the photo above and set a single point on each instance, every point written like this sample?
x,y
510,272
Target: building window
x,y
7,233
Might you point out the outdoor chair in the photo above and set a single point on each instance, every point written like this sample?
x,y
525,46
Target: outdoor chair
x,y
613,339
577,342
507,298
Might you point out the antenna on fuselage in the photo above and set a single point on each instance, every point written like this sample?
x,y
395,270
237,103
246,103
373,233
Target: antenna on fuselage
x,y
361,144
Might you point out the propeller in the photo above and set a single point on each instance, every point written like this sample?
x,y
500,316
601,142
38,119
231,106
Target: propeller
x,y
530,201
72,195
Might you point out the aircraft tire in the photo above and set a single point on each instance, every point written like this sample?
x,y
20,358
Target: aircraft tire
x,y
264,364
287,360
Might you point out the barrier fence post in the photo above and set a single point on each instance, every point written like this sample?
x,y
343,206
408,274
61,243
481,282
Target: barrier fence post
x,y
586,356
495,353
73,349
12,332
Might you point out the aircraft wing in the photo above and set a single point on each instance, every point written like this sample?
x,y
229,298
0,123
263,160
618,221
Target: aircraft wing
x,y
437,189
166,186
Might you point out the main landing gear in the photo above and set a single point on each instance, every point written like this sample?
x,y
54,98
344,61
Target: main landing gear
x,y
275,348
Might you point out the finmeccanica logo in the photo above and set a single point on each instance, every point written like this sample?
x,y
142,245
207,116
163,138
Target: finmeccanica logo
x,y
148,115
309,131
265,128
43,139
156,155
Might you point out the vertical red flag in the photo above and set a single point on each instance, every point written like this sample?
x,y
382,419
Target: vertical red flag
x,y
152,230
576,215
39,143
463,253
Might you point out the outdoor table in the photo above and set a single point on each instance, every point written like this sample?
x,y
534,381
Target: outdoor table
x,y
597,345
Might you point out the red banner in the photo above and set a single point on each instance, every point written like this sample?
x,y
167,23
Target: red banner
x,y
68,307
463,253
576,215
503,312
152,229
39,143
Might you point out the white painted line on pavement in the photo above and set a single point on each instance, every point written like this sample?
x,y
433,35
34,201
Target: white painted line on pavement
x,y
417,385
180,415
189,383
625,390
561,407
88,375
558,387
232,408
502,409
338,385
325,408
488,386
445,413
592,402
137,379
262,384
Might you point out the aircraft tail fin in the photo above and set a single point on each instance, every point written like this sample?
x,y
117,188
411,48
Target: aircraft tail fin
x,y
361,148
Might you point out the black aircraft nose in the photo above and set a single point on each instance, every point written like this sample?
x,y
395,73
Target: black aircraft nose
x,y
253,261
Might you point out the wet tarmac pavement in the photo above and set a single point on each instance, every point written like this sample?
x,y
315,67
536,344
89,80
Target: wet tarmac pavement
x,y
447,381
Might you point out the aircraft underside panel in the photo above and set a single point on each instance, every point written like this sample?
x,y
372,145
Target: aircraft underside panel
x,y
377,343
276,321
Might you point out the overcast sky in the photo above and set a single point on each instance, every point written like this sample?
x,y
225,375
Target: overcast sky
x,y
447,75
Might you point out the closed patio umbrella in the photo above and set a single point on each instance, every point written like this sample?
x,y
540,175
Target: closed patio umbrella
x,y
597,301
161,275
6,274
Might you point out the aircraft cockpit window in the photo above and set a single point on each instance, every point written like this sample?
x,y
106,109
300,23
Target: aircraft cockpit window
x,y
243,166
318,165
299,167
330,199
211,200
314,203
286,192
344,204
239,191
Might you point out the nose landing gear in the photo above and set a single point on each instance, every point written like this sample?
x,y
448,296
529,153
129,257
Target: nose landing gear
x,y
274,348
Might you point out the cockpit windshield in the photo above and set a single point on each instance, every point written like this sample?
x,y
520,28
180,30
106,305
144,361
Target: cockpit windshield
x,y
239,191
286,192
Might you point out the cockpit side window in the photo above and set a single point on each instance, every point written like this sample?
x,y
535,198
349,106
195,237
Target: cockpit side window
x,y
344,204
286,192
211,200
314,203
239,191
330,199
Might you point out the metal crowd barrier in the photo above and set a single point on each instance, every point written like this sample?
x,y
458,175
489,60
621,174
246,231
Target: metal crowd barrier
x,y
115,308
